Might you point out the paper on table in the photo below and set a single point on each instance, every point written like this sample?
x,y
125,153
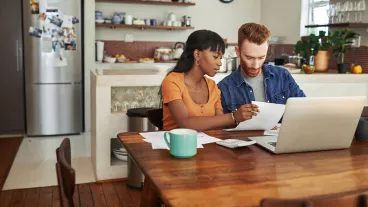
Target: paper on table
x,y
206,139
158,142
273,132
269,115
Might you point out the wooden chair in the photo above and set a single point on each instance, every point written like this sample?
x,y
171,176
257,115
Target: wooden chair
x,y
271,202
155,117
341,200
65,174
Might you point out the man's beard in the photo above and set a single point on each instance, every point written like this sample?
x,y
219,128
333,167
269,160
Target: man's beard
x,y
245,69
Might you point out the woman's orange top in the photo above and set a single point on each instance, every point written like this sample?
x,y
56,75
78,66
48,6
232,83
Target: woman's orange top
x,y
174,88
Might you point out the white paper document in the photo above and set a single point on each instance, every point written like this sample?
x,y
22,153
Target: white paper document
x,y
158,142
268,117
273,132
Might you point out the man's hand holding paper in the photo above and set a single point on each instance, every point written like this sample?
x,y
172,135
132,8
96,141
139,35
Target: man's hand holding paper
x,y
265,118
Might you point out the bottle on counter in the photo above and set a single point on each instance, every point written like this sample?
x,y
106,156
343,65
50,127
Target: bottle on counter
x,y
311,58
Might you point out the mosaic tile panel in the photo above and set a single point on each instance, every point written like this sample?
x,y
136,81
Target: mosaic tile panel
x,y
124,98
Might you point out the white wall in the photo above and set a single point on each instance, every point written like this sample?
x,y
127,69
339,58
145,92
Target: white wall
x,y
224,19
282,18
206,14
89,56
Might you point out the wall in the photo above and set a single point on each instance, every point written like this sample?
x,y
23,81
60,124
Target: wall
x,y
222,18
225,19
89,56
282,18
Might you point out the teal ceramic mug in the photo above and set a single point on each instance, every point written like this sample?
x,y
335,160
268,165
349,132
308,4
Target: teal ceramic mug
x,y
183,142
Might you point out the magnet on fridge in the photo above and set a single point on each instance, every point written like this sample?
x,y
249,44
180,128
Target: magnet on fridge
x,y
75,20
60,61
67,21
35,9
42,16
71,46
56,21
62,44
35,32
52,12
54,44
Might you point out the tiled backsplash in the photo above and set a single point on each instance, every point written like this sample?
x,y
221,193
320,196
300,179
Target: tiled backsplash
x,y
124,98
143,49
134,50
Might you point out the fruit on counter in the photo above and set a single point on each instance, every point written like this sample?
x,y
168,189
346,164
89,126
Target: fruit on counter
x,y
308,69
146,59
356,69
119,55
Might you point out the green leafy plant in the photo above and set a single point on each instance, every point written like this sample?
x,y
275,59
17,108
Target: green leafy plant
x,y
340,39
305,45
324,41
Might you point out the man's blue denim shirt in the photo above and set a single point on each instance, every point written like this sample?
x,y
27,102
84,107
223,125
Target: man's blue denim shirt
x,y
278,83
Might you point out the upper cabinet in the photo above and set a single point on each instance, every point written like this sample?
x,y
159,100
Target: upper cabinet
x,y
150,2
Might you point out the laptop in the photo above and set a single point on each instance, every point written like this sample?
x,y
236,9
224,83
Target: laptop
x,y
315,123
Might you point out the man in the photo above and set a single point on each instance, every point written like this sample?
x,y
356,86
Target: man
x,y
253,80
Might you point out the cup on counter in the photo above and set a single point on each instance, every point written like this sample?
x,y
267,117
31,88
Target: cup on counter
x,y
100,49
153,22
182,142
129,19
147,21
98,15
169,23
177,24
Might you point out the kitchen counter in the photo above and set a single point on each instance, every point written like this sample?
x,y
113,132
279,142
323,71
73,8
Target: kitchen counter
x,y
109,78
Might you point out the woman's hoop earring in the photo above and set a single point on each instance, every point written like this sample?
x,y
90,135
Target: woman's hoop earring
x,y
197,61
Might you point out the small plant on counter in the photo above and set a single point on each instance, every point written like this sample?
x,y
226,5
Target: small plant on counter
x,y
340,40
317,46
306,44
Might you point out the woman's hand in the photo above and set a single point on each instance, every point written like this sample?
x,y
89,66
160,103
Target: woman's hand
x,y
246,112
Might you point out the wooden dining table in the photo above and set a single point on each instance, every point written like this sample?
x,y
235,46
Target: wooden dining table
x,y
219,176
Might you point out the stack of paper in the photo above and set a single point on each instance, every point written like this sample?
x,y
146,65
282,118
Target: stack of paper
x,y
158,142
268,117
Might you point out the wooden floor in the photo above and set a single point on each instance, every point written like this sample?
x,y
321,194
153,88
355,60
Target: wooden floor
x,y
93,194
8,148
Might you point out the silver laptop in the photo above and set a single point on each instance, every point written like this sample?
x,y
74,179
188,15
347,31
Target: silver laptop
x,y
313,124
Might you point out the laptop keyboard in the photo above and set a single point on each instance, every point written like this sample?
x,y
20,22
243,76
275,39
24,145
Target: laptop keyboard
x,y
272,143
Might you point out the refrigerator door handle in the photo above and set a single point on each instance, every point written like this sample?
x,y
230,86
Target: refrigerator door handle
x,y
20,56
16,49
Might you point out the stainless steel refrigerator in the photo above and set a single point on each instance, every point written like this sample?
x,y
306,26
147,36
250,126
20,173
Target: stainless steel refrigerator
x,y
53,73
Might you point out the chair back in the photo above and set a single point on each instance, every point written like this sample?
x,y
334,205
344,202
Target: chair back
x,y
65,174
285,203
155,116
346,200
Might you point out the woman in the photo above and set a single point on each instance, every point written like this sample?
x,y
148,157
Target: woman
x,y
191,100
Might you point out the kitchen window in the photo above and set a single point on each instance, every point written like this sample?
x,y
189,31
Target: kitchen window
x,y
318,14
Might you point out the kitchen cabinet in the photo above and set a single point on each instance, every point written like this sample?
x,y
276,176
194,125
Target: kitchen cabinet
x,y
12,119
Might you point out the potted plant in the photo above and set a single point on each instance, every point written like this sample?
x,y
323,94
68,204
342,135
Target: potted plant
x,y
340,40
305,45
322,58
317,46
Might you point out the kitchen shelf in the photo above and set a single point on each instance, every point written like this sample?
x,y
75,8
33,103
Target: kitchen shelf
x,y
344,25
142,26
149,2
